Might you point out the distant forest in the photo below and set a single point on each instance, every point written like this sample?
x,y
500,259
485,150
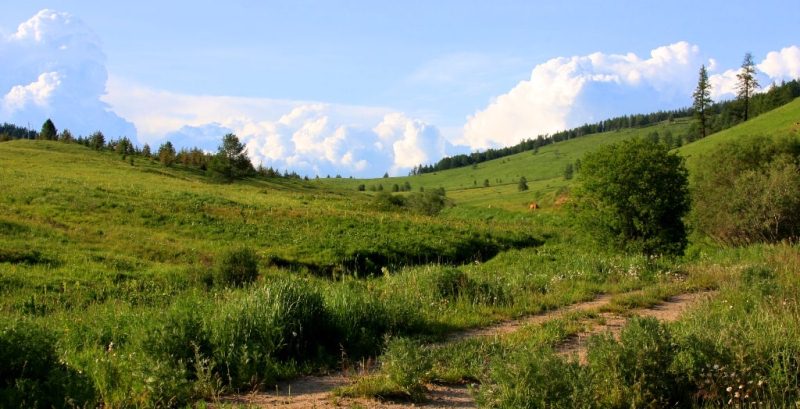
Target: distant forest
x,y
723,115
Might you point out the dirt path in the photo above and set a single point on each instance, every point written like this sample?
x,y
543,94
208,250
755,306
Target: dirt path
x,y
667,311
314,391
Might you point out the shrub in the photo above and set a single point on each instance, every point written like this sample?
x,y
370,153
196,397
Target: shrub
x,y
429,202
633,195
636,370
749,191
534,379
236,267
385,201
31,375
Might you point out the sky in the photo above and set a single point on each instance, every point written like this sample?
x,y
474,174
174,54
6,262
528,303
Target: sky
x,y
365,87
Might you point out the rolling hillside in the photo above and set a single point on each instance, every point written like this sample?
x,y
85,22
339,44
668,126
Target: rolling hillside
x,y
781,121
544,171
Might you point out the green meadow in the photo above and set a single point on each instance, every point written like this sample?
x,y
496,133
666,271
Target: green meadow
x,y
114,289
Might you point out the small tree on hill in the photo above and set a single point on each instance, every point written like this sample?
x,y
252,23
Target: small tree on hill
x,y
146,151
66,136
97,141
523,184
702,100
633,195
747,83
166,154
48,132
231,161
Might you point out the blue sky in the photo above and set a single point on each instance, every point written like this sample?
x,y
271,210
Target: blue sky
x,y
363,87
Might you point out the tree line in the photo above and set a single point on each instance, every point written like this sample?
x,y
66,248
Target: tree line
x,y
229,163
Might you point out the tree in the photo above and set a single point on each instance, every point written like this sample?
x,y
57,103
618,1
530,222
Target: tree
x,y
747,83
146,151
66,136
486,183
702,100
97,141
48,132
166,154
124,147
633,195
231,161
523,184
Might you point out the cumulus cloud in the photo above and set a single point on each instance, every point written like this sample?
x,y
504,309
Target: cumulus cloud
x,y
566,91
53,66
307,137
783,64
723,85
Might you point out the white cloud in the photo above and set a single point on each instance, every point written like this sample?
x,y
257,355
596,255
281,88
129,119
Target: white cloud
x,y
413,142
307,137
723,85
567,91
38,92
783,64
53,67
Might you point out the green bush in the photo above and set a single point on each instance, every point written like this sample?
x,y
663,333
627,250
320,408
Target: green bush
x,y
236,267
31,374
749,191
534,379
636,371
633,195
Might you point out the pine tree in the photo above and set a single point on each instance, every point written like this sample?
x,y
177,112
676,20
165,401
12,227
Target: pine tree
x,y
747,83
166,153
48,132
702,100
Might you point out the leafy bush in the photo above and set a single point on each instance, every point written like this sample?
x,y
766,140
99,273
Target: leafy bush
x,y
633,195
385,201
429,202
749,191
236,267
31,375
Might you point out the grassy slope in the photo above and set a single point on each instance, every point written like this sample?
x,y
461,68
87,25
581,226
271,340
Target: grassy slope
x,y
778,122
543,170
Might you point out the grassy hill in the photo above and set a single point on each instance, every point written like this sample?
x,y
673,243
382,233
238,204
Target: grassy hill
x,y
781,121
108,284
544,171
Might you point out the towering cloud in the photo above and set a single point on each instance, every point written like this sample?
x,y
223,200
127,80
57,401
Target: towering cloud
x,y
567,91
53,66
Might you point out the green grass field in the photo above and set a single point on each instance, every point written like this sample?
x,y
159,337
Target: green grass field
x,y
107,277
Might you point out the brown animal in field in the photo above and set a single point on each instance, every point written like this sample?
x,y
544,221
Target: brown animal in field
x,y
533,206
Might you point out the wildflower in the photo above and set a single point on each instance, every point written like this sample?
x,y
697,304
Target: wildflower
x,y
728,389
